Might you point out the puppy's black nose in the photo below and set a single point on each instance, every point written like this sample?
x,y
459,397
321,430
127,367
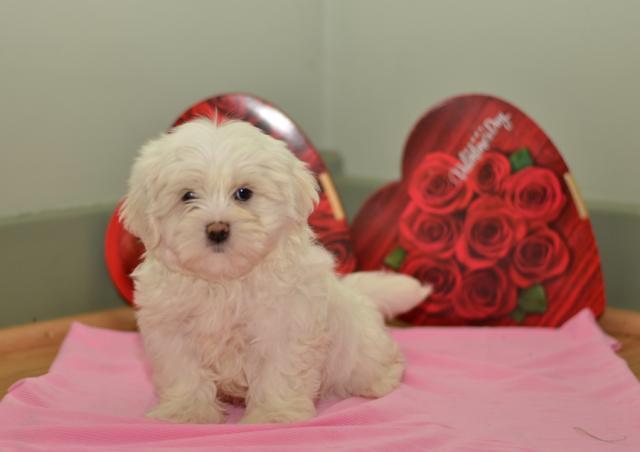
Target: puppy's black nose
x,y
218,231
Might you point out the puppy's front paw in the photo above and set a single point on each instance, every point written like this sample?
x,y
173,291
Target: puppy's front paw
x,y
262,415
187,411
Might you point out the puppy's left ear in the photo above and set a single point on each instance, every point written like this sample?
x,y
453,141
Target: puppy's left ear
x,y
136,212
305,191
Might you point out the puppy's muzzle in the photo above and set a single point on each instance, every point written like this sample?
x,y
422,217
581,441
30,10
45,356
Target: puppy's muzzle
x,y
218,232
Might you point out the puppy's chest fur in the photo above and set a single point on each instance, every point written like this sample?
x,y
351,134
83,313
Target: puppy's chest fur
x,y
220,325
220,340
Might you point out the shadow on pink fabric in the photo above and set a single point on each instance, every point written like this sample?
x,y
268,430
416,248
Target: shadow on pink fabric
x,y
465,389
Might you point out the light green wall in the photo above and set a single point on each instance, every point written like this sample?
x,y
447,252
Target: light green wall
x,y
574,66
83,83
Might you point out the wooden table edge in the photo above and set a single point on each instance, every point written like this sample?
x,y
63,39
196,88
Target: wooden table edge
x,y
47,336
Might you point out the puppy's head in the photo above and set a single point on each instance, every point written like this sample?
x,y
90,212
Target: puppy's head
x,y
213,200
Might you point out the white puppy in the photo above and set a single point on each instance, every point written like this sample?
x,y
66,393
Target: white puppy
x,y
236,298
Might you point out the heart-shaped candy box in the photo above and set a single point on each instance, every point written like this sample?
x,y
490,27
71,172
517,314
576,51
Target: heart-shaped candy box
x,y
487,211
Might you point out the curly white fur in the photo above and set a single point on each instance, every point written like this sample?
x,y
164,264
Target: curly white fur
x,y
261,316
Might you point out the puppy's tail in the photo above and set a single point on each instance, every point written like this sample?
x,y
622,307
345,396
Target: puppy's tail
x,y
393,293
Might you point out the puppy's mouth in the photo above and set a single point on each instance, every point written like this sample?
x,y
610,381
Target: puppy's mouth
x,y
218,248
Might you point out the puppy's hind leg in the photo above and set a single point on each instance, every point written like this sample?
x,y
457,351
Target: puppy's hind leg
x,y
379,366
376,364
368,296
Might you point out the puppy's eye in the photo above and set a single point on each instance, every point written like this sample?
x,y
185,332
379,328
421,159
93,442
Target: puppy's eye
x,y
188,196
243,194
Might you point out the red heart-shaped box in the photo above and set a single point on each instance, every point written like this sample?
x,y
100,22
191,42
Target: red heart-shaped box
x,y
123,251
486,211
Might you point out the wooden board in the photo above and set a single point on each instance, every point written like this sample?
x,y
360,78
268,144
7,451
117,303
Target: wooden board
x,y
28,350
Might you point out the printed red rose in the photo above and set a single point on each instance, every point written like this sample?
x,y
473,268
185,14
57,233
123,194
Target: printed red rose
x,y
490,173
444,276
489,233
535,194
338,242
435,235
485,294
321,219
432,188
542,254
333,235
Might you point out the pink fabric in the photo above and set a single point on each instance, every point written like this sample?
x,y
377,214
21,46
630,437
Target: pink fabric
x,y
465,389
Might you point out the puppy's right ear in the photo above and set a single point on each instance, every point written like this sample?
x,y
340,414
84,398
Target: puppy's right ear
x,y
136,212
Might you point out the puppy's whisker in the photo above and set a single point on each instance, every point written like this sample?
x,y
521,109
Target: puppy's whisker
x,y
217,248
